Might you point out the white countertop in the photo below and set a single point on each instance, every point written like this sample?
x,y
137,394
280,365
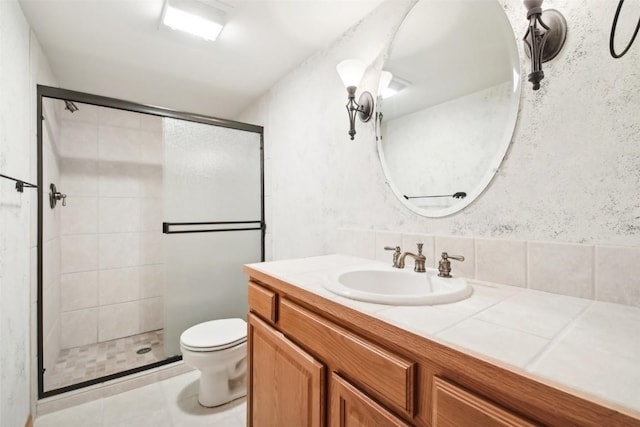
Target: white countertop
x,y
587,346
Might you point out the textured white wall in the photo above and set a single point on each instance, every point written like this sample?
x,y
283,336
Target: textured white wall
x,y
572,172
14,216
22,64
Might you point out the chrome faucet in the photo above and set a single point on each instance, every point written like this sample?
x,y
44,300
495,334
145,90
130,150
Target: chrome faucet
x,y
398,258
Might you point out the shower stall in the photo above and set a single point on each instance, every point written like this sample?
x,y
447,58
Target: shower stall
x,y
145,218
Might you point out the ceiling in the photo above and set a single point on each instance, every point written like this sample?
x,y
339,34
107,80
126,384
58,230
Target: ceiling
x,y
115,48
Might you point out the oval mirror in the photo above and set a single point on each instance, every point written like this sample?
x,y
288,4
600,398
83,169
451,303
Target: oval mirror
x,y
447,115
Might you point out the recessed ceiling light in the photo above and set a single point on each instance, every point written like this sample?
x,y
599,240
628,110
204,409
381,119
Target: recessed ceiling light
x,y
193,17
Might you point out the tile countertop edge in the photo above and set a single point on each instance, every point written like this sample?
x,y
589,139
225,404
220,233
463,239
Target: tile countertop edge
x,y
324,265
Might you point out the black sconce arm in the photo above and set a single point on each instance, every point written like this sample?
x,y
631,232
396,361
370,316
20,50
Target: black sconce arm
x,y
544,38
363,108
535,39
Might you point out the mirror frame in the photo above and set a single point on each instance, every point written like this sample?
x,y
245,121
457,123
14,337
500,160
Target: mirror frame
x,y
496,160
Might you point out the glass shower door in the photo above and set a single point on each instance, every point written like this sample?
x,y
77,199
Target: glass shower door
x,y
213,216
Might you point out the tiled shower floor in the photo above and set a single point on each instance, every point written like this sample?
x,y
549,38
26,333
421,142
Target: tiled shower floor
x,y
91,361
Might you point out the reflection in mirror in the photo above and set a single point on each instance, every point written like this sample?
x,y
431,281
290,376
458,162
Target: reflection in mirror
x,y
117,289
447,115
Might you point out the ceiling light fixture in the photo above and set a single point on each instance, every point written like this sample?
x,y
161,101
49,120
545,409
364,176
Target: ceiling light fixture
x,y
351,72
193,17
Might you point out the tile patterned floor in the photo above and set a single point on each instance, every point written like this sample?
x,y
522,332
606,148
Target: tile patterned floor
x,y
91,361
169,403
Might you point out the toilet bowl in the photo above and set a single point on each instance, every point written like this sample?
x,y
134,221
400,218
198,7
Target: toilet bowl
x,y
218,349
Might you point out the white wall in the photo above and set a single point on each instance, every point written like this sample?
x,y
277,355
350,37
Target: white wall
x,y
14,216
21,66
571,174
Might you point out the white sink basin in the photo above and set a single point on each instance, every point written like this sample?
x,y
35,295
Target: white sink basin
x,y
388,285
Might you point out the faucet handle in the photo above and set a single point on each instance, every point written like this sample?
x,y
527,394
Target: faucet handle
x,y
455,257
396,254
444,265
420,245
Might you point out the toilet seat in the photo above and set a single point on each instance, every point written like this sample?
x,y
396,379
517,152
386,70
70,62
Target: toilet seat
x,y
214,335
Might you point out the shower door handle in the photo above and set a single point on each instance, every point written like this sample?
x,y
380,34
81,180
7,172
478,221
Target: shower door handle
x,y
211,227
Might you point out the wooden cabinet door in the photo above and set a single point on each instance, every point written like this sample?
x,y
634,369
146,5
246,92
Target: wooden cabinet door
x,y
351,408
285,384
456,407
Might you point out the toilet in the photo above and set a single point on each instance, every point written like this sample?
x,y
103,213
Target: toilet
x,y
218,349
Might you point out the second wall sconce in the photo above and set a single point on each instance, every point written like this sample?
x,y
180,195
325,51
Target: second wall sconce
x,y
544,38
351,72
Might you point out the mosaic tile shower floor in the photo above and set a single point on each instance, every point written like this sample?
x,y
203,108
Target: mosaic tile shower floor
x,y
91,361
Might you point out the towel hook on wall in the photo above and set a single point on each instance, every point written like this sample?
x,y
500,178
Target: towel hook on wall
x,y
20,184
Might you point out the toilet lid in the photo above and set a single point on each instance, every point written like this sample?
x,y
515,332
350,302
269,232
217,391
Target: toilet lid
x,y
215,335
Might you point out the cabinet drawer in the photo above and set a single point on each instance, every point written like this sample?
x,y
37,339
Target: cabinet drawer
x,y
350,407
263,301
386,376
455,407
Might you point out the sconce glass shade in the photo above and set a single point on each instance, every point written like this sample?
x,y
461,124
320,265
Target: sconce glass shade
x,y
351,71
385,79
193,17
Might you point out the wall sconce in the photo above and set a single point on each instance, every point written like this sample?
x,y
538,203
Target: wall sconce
x,y
351,72
544,39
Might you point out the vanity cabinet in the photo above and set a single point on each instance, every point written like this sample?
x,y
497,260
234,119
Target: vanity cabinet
x,y
287,384
349,407
315,362
454,407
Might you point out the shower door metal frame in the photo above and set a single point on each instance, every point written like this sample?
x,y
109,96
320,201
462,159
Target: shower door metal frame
x,y
103,101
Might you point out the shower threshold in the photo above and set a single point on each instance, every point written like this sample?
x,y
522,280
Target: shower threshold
x,y
77,364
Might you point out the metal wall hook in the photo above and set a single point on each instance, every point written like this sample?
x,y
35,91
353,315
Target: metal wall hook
x,y
20,185
55,195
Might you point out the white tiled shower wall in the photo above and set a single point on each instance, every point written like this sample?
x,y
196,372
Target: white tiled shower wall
x,y
111,248
599,272
51,240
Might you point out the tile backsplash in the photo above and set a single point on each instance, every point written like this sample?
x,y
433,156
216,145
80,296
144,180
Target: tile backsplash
x,y
603,273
